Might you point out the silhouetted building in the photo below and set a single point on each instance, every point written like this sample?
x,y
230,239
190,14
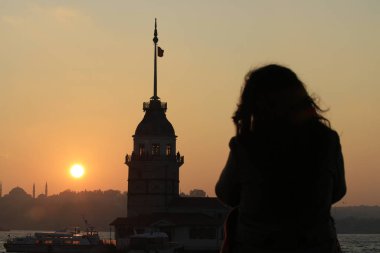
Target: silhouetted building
x,y
46,190
18,193
34,190
1,189
153,185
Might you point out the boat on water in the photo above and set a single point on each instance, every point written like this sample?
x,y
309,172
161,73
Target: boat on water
x,y
60,242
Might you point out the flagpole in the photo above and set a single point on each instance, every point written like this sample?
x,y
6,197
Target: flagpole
x,y
155,40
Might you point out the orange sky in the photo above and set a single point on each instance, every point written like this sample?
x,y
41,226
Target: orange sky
x,y
74,75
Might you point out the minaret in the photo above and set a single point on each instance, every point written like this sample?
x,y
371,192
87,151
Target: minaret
x,y
1,189
153,176
46,190
34,190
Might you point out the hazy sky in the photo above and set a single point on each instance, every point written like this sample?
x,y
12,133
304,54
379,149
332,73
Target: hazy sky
x,y
74,75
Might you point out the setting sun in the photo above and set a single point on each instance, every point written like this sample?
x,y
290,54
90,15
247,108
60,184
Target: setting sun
x,y
77,171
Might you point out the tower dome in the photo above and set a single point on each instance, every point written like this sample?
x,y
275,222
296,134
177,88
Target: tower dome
x,y
155,122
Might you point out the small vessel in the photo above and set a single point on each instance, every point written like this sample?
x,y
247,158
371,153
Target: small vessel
x,y
60,242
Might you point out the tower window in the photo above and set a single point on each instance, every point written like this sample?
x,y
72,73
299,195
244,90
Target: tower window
x,y
155,149
168,150
141,149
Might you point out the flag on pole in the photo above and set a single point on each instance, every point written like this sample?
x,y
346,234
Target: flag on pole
x,y
160,52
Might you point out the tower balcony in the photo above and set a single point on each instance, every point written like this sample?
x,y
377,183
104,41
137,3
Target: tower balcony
x,y
148,157
155,104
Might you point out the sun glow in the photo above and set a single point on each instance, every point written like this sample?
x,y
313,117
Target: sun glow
x,y
77,170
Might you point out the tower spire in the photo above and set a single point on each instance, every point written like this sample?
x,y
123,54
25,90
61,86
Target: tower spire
x,y
155,40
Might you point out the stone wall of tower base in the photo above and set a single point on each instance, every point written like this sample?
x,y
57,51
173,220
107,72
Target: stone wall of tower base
x,y
147,204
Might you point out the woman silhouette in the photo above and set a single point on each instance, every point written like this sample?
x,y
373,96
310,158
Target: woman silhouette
x,y
284,171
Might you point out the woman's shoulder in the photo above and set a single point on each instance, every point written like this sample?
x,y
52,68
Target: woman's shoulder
x,y
323,137
325,130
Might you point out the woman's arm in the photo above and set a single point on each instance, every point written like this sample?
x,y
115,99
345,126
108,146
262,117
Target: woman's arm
x,y
339,188
227,188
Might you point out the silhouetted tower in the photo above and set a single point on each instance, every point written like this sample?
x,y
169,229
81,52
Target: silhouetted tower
x,y
46,190
1,189
153,177
34,190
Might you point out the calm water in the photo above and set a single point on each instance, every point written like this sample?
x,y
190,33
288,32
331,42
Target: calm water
x,y
350,243
355,243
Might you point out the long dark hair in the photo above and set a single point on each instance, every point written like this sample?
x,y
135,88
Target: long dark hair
x,y
273,95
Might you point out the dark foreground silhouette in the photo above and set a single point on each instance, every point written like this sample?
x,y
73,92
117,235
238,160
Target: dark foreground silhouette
x,y
284,171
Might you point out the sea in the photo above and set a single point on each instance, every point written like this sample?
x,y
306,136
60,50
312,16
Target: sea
x,y
350,243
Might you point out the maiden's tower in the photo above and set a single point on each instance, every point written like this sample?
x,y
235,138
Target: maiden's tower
x,y
153,184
